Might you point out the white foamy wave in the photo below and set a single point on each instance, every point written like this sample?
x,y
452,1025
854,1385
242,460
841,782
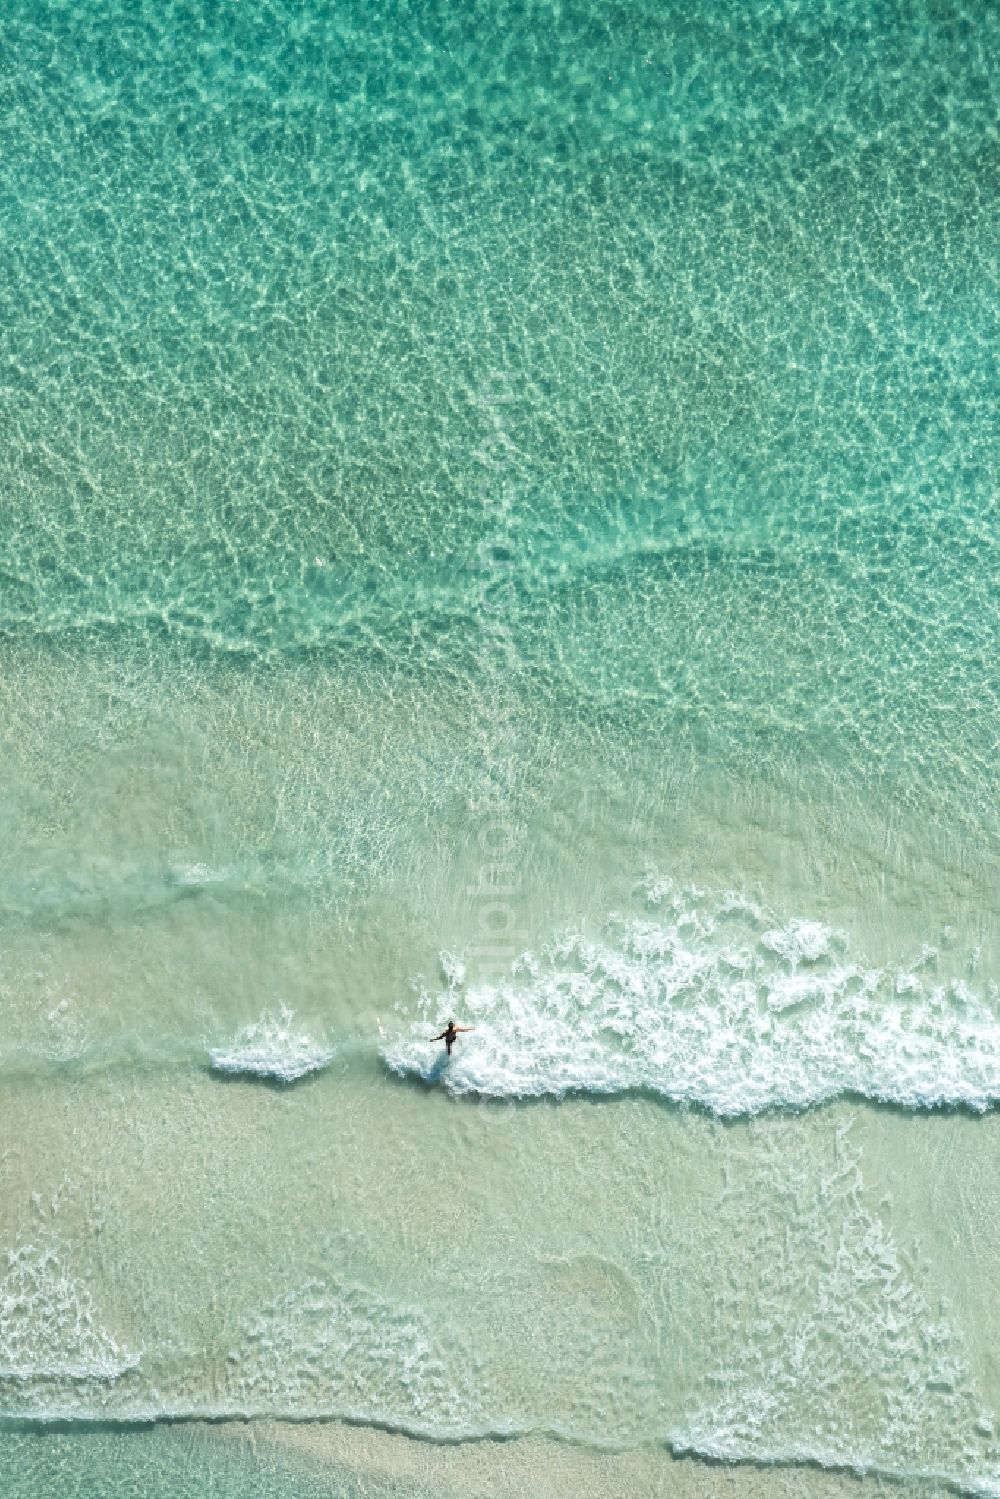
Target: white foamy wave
x,y
860,1465
453,968
799,941
330,1346
271,1047
827,1351
715,1003
49,1332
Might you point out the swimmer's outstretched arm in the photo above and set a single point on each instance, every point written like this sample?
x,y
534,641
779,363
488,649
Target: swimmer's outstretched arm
x,y
442,1036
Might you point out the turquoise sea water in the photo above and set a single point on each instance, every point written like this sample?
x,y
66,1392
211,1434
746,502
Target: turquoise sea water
x,y
498,517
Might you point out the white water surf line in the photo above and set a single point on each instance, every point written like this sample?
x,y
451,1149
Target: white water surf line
x,y
713,1001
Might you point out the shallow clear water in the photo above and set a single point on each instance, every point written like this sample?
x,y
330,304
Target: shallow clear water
x,y
497,517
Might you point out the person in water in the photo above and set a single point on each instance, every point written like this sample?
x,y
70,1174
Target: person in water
x,y
449,1033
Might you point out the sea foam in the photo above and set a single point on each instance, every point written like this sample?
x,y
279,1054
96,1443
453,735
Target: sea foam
x,y
272,1048
330,1346
712,1001
49,1331
828,1348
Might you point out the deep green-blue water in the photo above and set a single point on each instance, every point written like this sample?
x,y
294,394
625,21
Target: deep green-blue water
x,y
498,516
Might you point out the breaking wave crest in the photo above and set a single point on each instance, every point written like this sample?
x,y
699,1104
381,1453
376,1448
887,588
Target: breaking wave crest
x,y
712,1001
272,1048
